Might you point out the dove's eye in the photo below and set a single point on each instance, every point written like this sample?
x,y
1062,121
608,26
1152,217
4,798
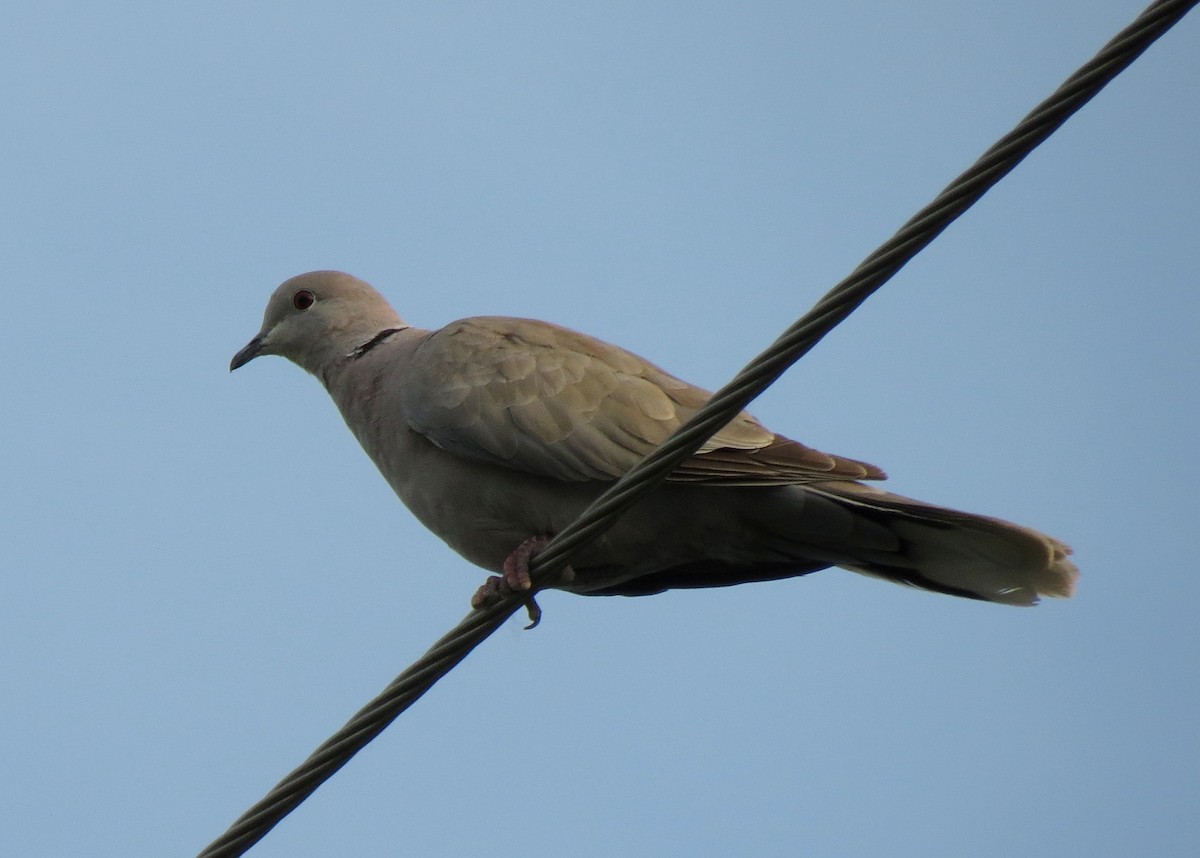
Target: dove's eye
x,y
303,299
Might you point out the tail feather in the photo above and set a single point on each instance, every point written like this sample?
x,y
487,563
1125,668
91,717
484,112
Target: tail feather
x,y
950,551
741,535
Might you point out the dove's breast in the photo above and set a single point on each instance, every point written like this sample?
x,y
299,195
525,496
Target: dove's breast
x,y
483,511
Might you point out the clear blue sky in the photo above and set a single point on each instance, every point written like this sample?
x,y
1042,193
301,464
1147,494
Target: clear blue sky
x,y
204,576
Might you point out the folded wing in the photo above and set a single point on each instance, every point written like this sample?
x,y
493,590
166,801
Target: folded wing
x,y
545,399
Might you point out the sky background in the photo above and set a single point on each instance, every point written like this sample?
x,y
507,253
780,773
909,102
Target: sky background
x,y
204,576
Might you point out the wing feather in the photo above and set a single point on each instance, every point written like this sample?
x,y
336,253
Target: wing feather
x,y
541,398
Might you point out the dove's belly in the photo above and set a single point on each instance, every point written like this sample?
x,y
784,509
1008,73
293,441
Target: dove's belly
x,y
482,511
485,511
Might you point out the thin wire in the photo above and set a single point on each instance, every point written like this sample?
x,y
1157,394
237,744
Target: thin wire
x,y
759,374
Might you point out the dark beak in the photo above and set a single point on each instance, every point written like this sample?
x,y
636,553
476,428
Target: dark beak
x,y
249,353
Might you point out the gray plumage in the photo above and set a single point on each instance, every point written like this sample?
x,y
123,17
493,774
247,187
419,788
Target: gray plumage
x,y
492,430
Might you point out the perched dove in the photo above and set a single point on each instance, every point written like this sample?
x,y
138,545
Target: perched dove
x,y
497,432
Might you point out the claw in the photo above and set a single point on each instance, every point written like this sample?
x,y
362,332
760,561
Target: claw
x,y
516,565
516,580
496,588
489,593
535,613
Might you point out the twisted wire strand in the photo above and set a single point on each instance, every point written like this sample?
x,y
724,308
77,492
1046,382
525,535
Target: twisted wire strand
x,y
725,404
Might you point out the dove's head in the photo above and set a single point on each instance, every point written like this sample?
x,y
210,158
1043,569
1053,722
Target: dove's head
x,y
319,317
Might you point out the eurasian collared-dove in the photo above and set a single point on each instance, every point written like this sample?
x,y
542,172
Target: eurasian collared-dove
x,y
496,432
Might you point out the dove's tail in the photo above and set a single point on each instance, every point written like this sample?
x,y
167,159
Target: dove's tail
x,y
799,529
785,531
939,549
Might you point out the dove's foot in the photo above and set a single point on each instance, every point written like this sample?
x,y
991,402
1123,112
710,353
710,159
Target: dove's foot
x,y
494,589
516,565
516,579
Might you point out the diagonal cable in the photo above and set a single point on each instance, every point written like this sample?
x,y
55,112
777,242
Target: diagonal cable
x,y
793,344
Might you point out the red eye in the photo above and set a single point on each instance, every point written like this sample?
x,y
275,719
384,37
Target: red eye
x,y
303,299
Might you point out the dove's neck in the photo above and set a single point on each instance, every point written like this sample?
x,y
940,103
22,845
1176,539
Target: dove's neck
x,y
378,339
364,357
340,346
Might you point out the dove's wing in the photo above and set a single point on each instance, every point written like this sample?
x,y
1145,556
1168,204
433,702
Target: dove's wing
x,y
545,399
